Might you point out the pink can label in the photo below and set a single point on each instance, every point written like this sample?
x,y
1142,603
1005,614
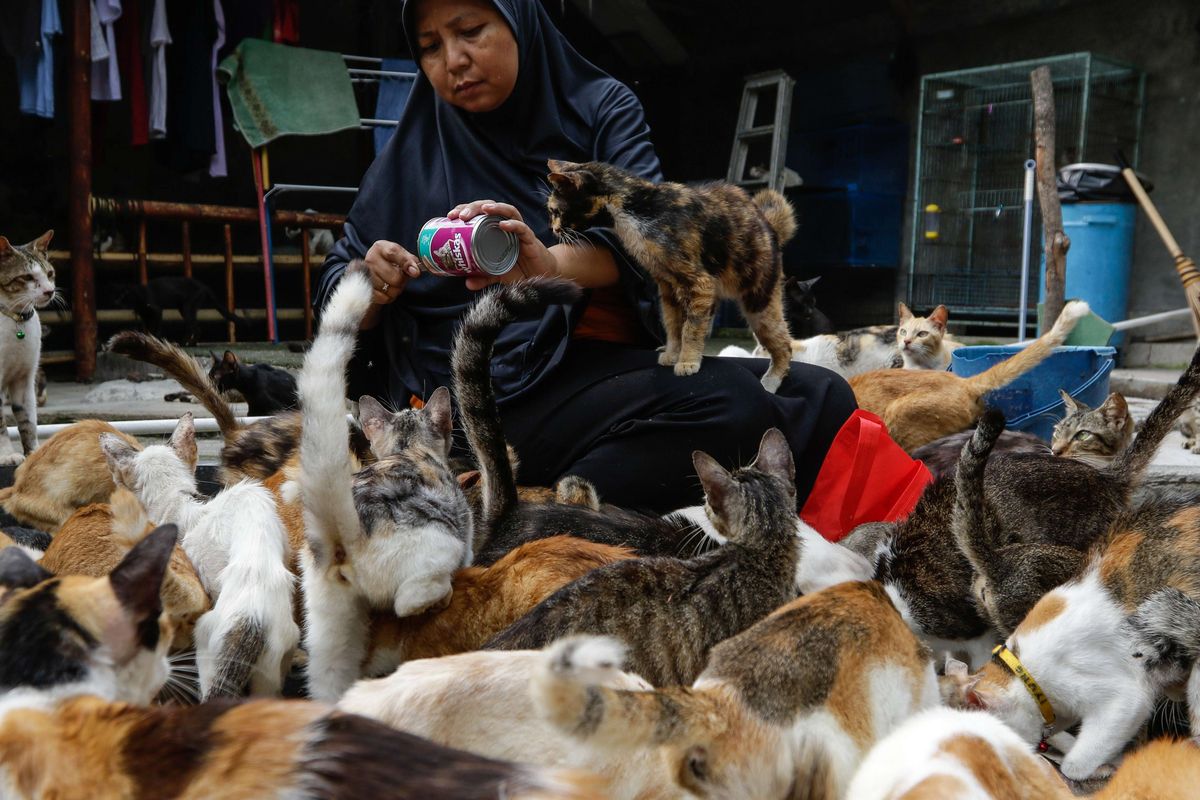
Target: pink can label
x,y
454,247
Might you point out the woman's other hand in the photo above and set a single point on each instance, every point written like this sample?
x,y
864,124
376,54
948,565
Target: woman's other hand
x,y
533,257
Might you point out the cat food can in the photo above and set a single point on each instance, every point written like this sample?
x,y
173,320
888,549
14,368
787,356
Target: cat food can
x,y
466,247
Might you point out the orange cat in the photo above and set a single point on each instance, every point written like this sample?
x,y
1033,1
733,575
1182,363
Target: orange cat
x,y
921,406
486,600
65,473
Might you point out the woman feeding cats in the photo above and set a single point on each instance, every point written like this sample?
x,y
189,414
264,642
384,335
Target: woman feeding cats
x,y
580,390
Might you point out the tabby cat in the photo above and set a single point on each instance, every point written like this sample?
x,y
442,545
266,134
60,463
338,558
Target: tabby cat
x,y
923,341
671,611
267,389
786,708
1093,435
64,474
503,520
26,284
74,719
920,406
954,755
699,243
1030,498
388,536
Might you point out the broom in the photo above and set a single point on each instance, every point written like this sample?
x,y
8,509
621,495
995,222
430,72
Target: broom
x,y
1188,274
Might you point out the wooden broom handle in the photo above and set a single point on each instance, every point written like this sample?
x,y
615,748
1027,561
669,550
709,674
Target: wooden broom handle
x,y
1148,206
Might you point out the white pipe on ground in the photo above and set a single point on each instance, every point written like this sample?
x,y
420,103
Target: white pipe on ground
x,y
141,427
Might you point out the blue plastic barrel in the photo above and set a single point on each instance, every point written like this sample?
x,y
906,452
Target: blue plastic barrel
x,y
1031,403
1100,257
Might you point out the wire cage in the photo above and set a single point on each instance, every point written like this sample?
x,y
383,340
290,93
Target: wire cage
x,y
974,134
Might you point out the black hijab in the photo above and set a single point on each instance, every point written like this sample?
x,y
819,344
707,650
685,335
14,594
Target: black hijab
x,y
561,107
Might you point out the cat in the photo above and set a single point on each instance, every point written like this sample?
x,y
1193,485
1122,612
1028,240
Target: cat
x,y
464,700
920,406
26,284
1094,436
503,520
267,389
1030,498
256,450
75,719
699,243
64,474
923,341
847,353
800,308
388,536
96,537
1010,575
239,547
186,295
485,601
1083,642
955,755
787,708
1189,426
670,611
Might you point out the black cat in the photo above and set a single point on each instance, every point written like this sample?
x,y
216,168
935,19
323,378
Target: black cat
x,y
268,390
800,306
186,295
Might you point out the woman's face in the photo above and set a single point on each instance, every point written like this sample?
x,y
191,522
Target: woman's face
x,y
467,51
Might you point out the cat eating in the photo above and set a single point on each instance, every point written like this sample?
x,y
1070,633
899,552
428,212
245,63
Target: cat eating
x,y
26,284
699,243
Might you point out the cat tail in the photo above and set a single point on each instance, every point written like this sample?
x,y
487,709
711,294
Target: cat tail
x,y
579,688
6,493
1166,627
1130,464
325,467
470,362
130,523
969,524
1026,359
779,213
180,366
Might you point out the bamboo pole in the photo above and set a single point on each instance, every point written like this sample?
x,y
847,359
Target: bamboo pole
x,y
1054,238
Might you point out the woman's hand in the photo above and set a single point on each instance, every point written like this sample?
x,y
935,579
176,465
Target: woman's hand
x,y
533,257
390,267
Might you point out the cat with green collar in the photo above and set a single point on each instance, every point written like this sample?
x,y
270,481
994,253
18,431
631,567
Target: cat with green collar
x,y
26,284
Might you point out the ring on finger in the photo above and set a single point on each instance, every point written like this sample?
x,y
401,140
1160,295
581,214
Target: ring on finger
x,y
384,288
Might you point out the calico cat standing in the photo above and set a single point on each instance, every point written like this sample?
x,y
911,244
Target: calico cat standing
x,y
699,243
75,719
920,406
26,284
787,708
267,389
671,612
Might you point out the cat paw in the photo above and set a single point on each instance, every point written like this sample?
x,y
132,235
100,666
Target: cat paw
x,y
586,658
687,367
667,359
11,459
771,382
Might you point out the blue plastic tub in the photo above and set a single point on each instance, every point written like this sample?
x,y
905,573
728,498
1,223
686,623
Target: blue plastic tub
x,y
1032,403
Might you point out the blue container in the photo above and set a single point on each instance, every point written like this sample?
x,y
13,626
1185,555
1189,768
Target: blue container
x,y
1031,403
1100,257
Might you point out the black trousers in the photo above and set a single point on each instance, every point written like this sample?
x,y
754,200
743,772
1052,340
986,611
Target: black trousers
x,y
612,415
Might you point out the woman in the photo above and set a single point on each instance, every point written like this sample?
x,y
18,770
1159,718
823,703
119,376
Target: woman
x,y
580,390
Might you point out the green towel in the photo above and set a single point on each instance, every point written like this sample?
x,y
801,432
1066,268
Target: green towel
x,y
277,90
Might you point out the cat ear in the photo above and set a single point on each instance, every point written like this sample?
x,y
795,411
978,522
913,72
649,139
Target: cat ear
x,y
119,454
1068,401
19,571
183,440
437,408
775,456
1114,408
810,283
5,247
230,358
939,317
563,183
372,416
137,580
905,314
956,669
716,481
42,243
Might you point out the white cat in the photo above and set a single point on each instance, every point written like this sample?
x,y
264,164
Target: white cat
x,y
26,284
239,547
849,353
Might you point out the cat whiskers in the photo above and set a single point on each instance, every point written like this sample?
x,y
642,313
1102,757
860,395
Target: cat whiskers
x,y
182,685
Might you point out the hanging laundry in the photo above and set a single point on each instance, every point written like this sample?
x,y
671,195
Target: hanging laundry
x,y
28,35
106,73
190,142
216,167
160,37
287,22
129,47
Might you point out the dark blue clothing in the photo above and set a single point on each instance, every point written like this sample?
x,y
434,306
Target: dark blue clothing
x,y
562,107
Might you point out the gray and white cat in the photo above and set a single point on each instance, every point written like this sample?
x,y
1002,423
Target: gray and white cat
x,y
26,284
848,353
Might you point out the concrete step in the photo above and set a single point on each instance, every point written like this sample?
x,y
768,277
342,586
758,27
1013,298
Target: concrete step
x,y
1144,382
1157,354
